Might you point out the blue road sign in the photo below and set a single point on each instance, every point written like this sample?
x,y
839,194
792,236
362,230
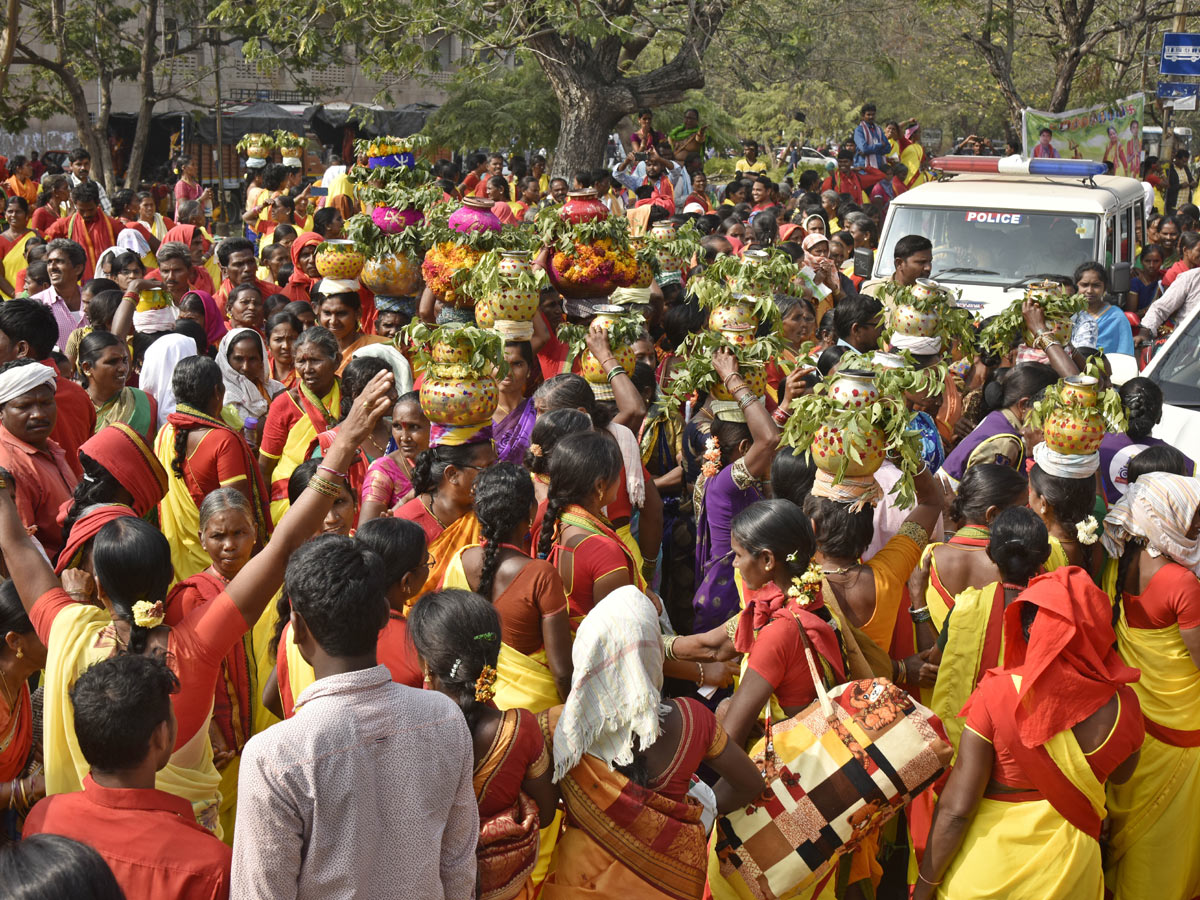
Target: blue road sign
x,y
1177,90
1180,54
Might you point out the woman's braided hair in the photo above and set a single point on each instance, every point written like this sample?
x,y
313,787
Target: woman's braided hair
x,y
579,461
503,497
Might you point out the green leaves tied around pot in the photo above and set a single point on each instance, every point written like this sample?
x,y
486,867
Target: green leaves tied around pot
x,y
254,139
897,380
1107,403
377,244
402,192
729,279
438,232
684,245
1000,335
693,369
485,279
622,332
281,138
953,324
479,350
388,144
551,231
883,424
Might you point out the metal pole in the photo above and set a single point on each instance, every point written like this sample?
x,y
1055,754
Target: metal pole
x,y
220,151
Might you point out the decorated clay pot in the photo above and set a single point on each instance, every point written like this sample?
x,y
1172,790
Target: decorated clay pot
x,y
591,369
513,263
755,376
1082,390
454,395
484,316
735,315
854,389
392,276
455,350
667,261
390,220
645,275
258,146
926,287
293,152
475,214
513,304
913,322
1041,291
1059,328
583,206
1075,430
613,267
829,448
339,259
590,366
662,230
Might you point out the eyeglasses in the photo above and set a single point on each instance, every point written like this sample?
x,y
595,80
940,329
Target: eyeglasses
x,y
430,560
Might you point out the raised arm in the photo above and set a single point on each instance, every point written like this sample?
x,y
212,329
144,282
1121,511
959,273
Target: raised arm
x,y
631,409
763,431
30,572
253,587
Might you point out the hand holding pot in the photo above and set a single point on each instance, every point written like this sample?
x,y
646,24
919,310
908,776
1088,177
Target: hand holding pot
x,y
1034,315
597,342
725,364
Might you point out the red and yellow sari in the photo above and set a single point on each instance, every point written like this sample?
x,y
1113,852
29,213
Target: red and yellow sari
x,y
622,840
294,420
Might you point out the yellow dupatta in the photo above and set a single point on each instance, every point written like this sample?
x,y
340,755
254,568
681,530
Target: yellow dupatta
x,y
958,672
79,638
522,681
14,261
179,518
299,444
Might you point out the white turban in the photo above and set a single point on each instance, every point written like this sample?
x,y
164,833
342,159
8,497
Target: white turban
x,y
331,286
22,379
1066,465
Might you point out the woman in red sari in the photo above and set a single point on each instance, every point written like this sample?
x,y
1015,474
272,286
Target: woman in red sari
x,y
624,757
1022,811
21,656
573,533
304,268
457,634
228,535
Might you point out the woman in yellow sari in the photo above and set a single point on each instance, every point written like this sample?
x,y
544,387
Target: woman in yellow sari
x,y
534,671
12,245
132,564
1155,832
1020,816
297,416
623,759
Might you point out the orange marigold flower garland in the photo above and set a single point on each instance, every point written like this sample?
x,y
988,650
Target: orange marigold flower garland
x,y
712,458
441,262
595,262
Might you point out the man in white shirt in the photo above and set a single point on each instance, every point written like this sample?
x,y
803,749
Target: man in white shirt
x,y
367,790
1177,301
79,167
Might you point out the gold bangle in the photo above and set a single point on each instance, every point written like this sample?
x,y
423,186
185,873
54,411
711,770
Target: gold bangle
x,y
700,679
324,486
927,881
668,642
731,628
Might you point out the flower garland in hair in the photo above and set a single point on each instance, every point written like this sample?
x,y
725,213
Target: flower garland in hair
x,y
712,458
485,685
807,587
147,614
1087,531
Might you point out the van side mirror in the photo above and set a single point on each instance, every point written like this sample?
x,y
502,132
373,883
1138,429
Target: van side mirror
x,y
864,261
1118,278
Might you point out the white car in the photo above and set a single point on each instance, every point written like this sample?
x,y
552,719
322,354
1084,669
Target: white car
x,y
1176,369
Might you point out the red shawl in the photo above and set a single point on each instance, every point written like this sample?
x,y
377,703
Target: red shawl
x,y
122,451
87,527
300,285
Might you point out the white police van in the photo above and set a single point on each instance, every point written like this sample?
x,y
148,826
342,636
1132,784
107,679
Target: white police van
x,y
998,224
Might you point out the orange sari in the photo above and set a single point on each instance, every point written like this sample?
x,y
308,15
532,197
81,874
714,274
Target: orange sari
x,y
623,840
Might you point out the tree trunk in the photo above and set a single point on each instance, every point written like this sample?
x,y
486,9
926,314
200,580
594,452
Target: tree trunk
x,y
146,99
8,40
103,151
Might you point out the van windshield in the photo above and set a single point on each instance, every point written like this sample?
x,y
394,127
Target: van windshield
x,y
994,246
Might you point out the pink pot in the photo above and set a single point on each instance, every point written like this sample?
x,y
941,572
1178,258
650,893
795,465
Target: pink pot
x,y
474,215
390,220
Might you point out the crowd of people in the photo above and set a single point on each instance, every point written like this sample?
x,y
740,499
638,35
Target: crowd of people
x,y
270,632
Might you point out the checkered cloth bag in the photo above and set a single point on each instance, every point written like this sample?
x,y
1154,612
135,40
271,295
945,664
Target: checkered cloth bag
x,y
835,773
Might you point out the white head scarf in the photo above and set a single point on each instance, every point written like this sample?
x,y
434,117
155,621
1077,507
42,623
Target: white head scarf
x,y
22,379
158,367
240,391
616,687
131,239
1159,509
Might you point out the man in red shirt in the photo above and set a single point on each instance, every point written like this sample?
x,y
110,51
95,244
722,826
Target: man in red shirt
x,y
43,481
495,166
28,331
150,839
90,226
239,265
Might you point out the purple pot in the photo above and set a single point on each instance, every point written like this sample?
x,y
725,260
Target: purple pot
x,y
474,215
390,220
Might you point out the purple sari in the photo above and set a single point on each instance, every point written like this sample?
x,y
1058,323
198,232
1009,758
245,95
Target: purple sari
x,y
511,434
716,598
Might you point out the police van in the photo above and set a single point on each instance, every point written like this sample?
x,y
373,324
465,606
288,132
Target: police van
x,y
998,224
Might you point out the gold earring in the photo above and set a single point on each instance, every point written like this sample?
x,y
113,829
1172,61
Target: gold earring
x,y
20,654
